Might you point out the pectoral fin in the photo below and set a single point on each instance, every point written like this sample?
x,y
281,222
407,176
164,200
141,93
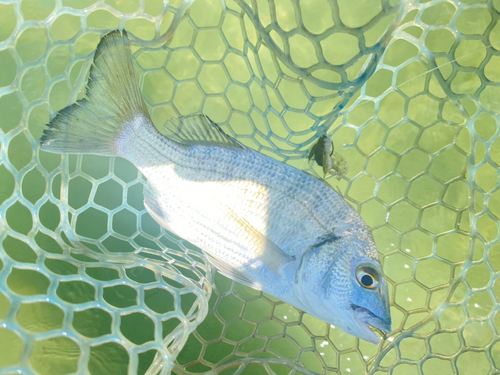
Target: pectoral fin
x,y
265,249
231,272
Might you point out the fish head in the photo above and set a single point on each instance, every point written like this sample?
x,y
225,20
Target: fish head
x,y
343,284
369,299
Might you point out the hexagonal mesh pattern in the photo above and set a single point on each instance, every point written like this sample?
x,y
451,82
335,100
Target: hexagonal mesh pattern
x,y
409,94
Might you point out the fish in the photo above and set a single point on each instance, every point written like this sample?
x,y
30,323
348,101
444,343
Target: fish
x,y
259,221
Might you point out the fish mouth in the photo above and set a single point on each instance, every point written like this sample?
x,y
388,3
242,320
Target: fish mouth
x,y
366,319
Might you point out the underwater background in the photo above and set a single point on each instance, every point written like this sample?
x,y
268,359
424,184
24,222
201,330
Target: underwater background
x,y
409,93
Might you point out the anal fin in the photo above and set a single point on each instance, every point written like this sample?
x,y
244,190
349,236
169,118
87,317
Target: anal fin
x,y
153,206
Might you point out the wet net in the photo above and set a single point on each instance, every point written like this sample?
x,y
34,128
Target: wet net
x,y
409,93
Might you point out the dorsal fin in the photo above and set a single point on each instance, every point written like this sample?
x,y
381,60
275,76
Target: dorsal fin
x,y
198,129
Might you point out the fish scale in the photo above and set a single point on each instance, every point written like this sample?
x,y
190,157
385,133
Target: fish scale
x,y
297,208
283,183
259,221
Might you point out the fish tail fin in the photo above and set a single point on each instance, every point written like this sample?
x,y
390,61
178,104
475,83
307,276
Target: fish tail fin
x,y
112,103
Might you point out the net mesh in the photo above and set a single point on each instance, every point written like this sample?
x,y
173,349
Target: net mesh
x,y
408,92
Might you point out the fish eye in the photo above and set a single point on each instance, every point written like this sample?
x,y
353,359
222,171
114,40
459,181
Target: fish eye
x,y
367,277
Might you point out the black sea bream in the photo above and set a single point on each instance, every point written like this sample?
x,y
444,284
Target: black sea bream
x,y
259,221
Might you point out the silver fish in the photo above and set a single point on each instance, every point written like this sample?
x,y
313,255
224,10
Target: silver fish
x,y
259,221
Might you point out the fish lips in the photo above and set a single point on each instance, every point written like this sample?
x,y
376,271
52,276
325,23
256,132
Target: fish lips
x,y
364,318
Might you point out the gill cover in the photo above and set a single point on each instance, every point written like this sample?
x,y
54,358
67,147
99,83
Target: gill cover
x,y
339,284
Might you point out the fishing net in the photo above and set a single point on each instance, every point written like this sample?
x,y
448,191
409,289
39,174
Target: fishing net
x,y
409,93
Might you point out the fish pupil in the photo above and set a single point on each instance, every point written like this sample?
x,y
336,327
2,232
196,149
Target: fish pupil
x,y
367,280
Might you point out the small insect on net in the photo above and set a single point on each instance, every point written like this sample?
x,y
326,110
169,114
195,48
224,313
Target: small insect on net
x,y
409,94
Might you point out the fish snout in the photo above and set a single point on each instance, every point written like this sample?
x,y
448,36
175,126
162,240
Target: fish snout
x,y
364,319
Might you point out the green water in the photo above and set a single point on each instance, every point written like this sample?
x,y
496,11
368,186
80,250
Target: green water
x,y
409,156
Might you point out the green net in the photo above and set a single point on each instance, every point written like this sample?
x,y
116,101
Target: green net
x,y
408,92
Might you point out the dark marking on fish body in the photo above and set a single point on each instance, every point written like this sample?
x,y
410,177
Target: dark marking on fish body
x,y
323,240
